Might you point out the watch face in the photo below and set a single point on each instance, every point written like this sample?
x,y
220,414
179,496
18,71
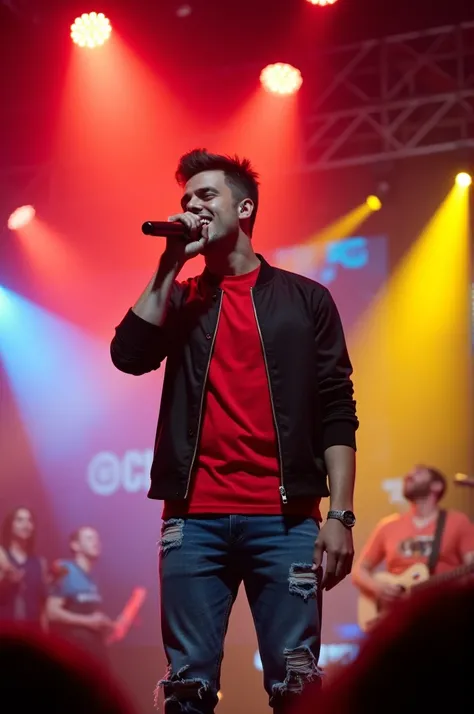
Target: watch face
x,y
349,518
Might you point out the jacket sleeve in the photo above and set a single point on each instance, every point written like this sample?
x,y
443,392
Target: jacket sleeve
x,y
334,370
139,346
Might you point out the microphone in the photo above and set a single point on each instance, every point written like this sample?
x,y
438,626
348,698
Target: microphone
x,y
463,480
165,229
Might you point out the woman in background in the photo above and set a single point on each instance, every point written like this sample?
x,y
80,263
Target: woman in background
x,y
22,572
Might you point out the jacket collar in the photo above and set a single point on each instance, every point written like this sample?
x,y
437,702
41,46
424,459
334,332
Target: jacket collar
x,y
267,271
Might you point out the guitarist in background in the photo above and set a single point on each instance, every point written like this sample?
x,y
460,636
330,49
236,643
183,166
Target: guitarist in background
x,y
404,540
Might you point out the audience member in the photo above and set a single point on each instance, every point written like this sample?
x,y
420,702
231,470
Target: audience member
x,y
40,673
417,659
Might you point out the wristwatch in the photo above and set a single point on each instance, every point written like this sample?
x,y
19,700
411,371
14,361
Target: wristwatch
x,y
347,518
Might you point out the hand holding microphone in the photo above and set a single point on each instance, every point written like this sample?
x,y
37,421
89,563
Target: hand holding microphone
x,y
186,234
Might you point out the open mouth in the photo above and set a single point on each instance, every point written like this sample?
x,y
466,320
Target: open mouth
x,y
205,220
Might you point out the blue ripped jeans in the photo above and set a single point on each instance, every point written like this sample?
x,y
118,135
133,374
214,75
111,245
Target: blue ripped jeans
x,y
203,560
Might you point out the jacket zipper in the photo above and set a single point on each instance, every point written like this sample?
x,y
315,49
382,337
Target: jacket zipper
x,y
281,489
202,395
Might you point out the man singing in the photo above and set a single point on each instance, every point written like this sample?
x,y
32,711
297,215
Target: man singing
x,y
257,410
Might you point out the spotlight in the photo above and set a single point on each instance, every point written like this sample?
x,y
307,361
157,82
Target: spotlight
x,y
21,217
322,3
463,179
91,29
281,78
374,203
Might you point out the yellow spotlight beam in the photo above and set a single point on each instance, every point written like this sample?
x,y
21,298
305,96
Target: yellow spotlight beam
x,y
430,299
411,355
344,226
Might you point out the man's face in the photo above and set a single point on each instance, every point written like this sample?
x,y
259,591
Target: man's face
x,y
23,526
418,483
88,543
208,196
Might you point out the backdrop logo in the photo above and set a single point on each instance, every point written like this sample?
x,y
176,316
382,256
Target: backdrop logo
x,y
323,262
108,473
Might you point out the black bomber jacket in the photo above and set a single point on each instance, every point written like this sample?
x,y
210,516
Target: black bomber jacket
x,y
307,364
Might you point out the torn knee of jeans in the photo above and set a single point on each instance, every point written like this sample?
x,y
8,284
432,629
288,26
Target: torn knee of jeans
x,y
301,668
171,534
176,687
303,580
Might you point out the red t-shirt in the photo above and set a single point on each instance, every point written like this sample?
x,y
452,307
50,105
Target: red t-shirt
x,y
237,468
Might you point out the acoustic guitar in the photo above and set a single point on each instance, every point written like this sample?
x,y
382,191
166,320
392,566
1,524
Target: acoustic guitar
x,y
415,577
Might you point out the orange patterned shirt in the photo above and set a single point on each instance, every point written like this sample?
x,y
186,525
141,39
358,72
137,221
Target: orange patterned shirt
x,y
400,543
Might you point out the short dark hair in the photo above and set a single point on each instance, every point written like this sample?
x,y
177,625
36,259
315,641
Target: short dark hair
x,y
7,525
440,478
239,174
75,535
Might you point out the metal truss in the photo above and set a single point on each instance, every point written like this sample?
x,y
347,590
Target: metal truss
x,y
405,95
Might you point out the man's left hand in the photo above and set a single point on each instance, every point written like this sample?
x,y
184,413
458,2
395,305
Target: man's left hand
x,y
336,540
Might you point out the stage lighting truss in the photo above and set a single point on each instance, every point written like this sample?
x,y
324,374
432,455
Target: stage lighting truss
x,y
405,95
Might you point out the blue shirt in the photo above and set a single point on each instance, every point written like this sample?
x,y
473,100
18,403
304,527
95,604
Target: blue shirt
x,y
77,588
81,595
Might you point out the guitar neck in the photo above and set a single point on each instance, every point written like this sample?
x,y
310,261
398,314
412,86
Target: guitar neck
x,y
446,577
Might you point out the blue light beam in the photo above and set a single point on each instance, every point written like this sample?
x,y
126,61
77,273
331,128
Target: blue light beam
x,y
55,372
